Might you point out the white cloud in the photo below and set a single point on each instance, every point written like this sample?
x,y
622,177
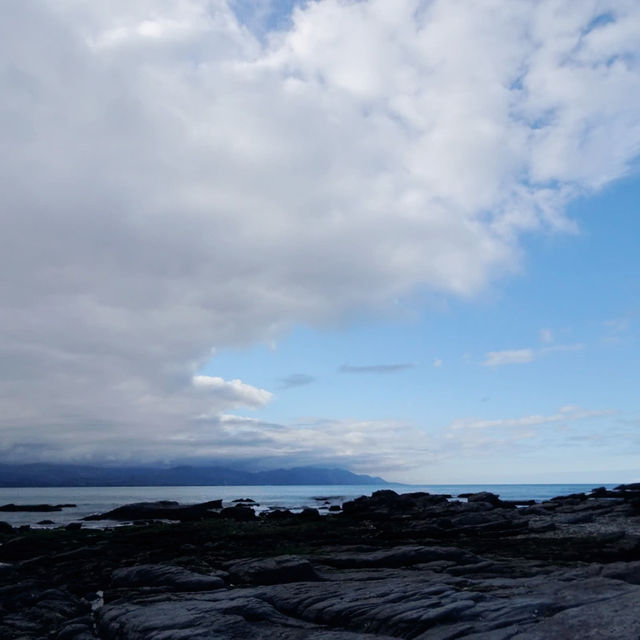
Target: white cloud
x,y
616,329
172,183
512,356
564,414
524,356
235,392
394,449
546,336
560,348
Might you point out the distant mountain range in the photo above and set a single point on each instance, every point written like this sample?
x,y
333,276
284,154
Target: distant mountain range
x,y
68,475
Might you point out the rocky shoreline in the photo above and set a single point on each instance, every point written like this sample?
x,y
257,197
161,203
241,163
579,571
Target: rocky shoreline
x,y
415,565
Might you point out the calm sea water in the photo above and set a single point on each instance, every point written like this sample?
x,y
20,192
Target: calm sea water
x,y
90,500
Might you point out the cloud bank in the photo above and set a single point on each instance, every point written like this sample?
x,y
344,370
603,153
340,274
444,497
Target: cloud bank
x,y
173,183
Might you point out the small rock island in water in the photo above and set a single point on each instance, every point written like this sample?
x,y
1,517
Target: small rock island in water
x,y
415,565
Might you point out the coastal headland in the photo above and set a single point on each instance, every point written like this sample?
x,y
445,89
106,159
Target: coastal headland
x,y
417,565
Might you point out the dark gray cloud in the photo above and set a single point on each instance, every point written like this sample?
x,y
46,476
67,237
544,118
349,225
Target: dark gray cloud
x,y
376,368
169,184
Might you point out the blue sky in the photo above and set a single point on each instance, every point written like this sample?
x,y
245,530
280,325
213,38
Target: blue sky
x,y
398,238
574,305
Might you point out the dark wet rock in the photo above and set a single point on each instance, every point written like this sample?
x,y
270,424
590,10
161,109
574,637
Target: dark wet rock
x,y
416,566
606,619
494,501
518,503
603,492
239,512
235,615
73,526
171,577
495,529
309,513
46,522
489,498
278,514
395,557
424,499
549,505
5,527
31,609
77,629
467,507
246,501
573,498
335,507
211,504
625,571
634,486
384,503
541,527
574,518
160,510
471,519
278,570
19,547
392,604
17,508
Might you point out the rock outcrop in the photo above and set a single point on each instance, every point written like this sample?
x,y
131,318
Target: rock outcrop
x,y
17,508
415,566
160,510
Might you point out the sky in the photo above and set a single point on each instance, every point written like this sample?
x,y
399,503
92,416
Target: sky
x,y
394,237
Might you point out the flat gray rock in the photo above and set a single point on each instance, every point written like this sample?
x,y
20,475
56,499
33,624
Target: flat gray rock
x,y
277,570
608,619
234,615
396,557
594,601
160,575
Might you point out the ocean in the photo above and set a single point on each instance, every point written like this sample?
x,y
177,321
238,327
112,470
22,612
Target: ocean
x,y
89,500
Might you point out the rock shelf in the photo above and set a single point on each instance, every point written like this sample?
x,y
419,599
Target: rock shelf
x,y
415,566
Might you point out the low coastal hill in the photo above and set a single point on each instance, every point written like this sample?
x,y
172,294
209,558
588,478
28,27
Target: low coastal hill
x,y
70,475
